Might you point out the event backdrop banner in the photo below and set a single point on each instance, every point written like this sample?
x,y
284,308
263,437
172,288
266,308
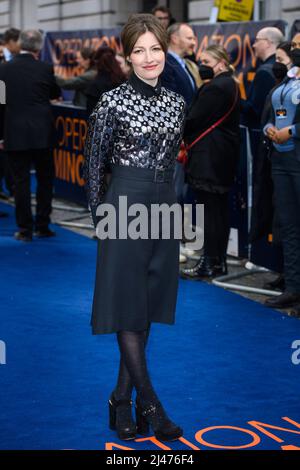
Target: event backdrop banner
x,y
61,48
71,129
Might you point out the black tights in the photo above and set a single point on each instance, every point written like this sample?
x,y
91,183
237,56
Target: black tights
x,y
133,370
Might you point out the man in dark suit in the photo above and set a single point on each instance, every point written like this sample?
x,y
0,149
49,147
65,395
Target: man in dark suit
x,y
9,47
29,131
176,75
266,42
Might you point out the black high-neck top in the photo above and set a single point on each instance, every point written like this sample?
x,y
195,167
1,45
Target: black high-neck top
x,y
144,88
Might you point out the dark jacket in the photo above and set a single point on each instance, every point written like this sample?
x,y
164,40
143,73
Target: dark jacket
x,y
96,88
174,78
212,161
263,82
79,84
263,218
28,122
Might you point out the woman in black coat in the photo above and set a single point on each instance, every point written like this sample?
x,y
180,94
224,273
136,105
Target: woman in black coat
x,y
212,161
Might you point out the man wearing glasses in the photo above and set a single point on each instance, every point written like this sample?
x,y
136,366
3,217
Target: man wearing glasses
x,y
266,42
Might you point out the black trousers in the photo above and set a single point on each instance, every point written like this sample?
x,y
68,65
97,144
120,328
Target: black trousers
x,y
5,173
21,163
216,222
286,179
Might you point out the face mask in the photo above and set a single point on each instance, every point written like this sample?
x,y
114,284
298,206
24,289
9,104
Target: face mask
x,y
206,72
295,57
279,70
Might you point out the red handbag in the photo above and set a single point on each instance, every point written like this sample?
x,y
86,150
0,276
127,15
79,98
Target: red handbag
x,y
184,148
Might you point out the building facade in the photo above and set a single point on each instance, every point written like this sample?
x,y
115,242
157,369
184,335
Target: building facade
x,y
53,15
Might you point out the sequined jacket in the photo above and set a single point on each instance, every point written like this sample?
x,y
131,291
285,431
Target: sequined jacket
x,y
132,125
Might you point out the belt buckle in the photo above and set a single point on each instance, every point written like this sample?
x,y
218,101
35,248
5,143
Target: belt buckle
x,y
159,175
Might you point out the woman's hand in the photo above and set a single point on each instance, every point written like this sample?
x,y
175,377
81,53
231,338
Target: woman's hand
x,y
271,133
282,135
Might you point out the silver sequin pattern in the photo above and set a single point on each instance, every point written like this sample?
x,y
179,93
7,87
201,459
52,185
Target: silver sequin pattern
x,y
127,128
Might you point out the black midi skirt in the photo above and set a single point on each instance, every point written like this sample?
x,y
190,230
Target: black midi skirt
x,y
136,279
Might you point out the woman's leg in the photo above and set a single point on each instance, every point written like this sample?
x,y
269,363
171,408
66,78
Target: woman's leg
x,y
124,387
120,408
133,367
149,409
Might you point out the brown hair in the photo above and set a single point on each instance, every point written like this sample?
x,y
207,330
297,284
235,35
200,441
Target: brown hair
x,y
139,24
163,9
105,61
286,47
11,34
88,53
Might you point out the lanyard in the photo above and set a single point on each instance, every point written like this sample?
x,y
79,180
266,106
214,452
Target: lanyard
x,y
282,96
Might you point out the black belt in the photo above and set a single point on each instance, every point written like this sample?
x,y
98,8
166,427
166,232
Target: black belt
x,y
155,175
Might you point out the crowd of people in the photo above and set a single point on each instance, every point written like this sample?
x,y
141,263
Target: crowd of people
x,y
215,111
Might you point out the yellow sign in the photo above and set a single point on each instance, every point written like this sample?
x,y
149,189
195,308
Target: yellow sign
x,y
235,10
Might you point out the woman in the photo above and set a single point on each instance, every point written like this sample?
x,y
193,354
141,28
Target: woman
x,y
109,76
212,160
134,133
283,61
263,218
280,68
283,129
80,83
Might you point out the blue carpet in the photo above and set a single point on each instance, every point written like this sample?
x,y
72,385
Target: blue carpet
x,y
225,364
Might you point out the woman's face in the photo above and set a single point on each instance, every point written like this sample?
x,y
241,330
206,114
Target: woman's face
x,y
147,58
207,59
283,58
